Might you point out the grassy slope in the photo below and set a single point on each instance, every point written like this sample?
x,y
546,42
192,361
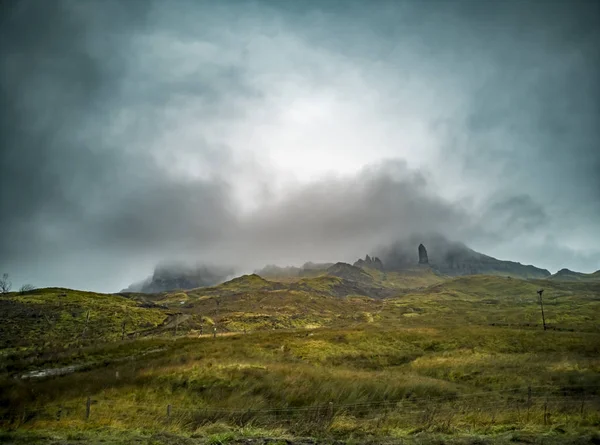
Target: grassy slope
x,y
253,303
45,317
502,301
404,366
382,381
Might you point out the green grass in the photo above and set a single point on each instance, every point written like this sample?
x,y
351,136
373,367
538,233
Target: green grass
x,y
461,361
379,380
47,317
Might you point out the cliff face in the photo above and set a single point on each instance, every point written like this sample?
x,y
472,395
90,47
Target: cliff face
x,y
452,258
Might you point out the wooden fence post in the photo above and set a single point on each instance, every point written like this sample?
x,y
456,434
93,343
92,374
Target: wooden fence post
x,y
168,411
88,406
528,402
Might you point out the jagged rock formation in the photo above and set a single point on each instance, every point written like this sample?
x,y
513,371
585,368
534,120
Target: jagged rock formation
x,y
373,262
453,258
169,277
423,258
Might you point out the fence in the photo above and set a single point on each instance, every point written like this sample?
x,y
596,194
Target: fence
x,y
532,405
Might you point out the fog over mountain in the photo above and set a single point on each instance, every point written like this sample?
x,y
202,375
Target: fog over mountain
x,y
233,133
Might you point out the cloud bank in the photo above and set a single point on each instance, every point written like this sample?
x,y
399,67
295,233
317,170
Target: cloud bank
x,y
280,132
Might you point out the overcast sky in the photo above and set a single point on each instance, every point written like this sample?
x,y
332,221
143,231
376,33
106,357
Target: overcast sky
x,y
246,133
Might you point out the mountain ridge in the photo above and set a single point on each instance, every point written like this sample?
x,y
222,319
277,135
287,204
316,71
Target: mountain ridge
x,y
570,275
445,257
452,258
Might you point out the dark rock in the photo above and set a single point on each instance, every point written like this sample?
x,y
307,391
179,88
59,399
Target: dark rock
x,y
372,262
423,259
377,263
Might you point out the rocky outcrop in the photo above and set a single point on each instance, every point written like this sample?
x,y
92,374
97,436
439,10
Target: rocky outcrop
x,y
423,258
452,258
372,262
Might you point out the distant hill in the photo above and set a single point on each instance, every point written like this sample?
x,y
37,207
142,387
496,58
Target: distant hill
x,y
426,259
68,317
306,270
351,273
343,296
339,280
169,277
570,275
452,258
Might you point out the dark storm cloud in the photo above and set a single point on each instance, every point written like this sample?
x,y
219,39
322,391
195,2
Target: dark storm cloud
x,y
54,78
63,177
346,217
536,114
513,215
68,187
113,116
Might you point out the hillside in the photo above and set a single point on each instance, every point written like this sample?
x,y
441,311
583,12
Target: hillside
x,y
59,317
569,275
52,317
466,355
351,273
347,294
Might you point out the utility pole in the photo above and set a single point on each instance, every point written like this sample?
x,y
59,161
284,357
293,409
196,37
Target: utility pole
x,y
540,292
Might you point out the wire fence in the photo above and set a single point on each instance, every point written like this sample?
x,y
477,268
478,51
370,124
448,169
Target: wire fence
x,y
532,405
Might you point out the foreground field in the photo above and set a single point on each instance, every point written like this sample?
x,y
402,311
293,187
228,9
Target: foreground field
x,y
461,361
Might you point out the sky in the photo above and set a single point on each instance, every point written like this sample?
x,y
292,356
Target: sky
x,y
260,132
